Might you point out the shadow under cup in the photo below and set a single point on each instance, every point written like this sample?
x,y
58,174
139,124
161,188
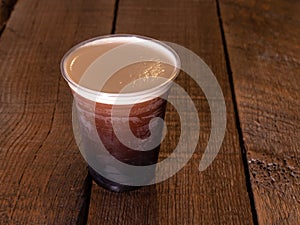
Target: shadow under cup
x,y
118,133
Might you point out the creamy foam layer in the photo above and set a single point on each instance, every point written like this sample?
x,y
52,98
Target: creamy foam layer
x,y
120,69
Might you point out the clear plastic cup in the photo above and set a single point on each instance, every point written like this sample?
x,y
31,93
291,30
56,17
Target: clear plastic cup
x,y
120,85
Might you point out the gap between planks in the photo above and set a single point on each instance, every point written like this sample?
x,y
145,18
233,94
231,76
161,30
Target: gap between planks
x,y
237,119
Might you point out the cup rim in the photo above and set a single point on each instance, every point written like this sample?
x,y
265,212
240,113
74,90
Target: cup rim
x,y
100,95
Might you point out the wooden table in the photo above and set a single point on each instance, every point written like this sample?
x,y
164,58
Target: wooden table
x,y
253,48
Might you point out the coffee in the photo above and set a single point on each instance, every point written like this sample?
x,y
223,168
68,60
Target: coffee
x,y
138,76
120,84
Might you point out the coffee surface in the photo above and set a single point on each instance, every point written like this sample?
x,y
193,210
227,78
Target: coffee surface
x,y
149,72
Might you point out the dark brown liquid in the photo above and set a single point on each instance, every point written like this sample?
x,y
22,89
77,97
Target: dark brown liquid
x,y
139,118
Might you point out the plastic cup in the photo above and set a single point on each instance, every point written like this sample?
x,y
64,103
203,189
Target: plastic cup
x,y
119,122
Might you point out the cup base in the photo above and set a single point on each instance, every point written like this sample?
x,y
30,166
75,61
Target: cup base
x,y
108,184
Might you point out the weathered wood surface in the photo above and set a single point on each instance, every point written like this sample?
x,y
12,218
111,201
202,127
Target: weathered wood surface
x,y
43,178
263,45
215,196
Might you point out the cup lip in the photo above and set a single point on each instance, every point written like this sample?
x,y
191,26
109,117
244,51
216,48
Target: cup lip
x,y
100,95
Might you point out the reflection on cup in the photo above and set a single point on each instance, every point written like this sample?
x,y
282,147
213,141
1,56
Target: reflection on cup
x,y
120,85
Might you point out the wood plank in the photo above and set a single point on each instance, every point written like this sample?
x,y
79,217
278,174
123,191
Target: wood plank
x,y
263,46
43,178
219,194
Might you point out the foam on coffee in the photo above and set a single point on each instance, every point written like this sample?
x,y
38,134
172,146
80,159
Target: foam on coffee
x,y
120,70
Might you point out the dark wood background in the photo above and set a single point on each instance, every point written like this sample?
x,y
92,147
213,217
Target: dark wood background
x,y
252,46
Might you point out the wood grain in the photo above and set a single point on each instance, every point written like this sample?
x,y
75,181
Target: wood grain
x,y
215,196
263,46
43,178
